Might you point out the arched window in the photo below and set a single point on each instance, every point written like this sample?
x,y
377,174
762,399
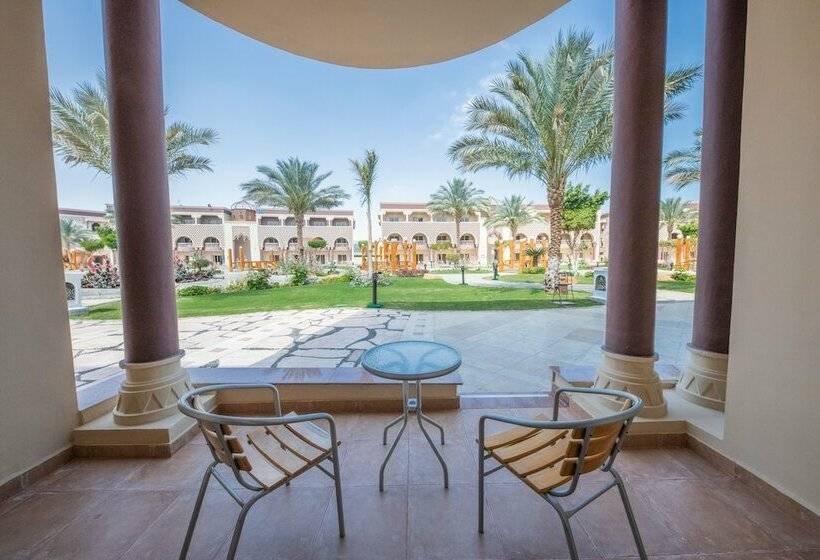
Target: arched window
x,y
467,239
290,221
211,244
394,237
442,238
317,222
543,237
341,243
184,244
293,243
270,221
420,239
270,244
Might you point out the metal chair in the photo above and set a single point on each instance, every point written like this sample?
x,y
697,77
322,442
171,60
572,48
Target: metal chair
x,y
279,450
550,456
564,287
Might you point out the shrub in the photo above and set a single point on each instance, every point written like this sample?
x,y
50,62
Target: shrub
x,y
317,243
185,272
101,276
411,273
198,290
258,279
534,270
349,273
298,273
365,281
681,275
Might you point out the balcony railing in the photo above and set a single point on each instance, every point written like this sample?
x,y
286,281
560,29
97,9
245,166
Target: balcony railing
x,y
211,247
185,247
270,247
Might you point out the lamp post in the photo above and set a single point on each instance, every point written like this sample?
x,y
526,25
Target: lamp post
x,y
463,283
375,303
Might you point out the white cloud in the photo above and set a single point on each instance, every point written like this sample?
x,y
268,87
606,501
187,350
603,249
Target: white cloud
x,y
454,124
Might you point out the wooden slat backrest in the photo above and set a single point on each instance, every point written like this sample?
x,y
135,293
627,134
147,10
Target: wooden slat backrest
x,y
211,431
602,441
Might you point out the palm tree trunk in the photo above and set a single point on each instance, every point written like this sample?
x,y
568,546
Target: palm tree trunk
x,y
369,243
555,195
573,252
458,239
300,224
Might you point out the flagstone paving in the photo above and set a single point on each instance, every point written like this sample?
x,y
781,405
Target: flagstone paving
x,y
503,351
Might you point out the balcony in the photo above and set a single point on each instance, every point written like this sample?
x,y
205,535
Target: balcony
x,y
214,247
185,247
270,247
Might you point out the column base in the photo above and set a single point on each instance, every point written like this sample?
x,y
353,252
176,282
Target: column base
x,y
633,374
151,390
703,380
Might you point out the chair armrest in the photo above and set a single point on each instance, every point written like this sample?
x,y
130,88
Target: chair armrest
x,y
277,401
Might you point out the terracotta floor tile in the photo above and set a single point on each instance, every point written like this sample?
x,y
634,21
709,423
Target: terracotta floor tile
x,y
363,460
783,526
376,524
283,525
39,518
703,517
106,529
653,464
184,470
442,524
606,523
529,527
461,460
89,474
163,538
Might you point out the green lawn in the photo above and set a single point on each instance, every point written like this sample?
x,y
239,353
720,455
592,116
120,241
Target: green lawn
x,y
687,286
404,293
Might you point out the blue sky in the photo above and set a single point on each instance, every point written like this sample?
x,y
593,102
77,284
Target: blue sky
x,y
267,104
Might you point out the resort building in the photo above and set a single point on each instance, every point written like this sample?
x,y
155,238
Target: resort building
x,y
433,234
269,234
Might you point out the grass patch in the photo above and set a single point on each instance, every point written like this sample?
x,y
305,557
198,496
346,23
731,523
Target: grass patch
x,y
687,286
405,293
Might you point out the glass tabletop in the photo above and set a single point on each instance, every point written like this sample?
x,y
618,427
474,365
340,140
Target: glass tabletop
x,y
410,360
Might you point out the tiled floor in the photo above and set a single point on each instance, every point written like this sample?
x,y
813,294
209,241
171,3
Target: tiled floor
x,y
138,509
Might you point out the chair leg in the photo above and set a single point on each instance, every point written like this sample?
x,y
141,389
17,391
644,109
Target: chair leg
x,y
338,482
629,514
240,522
195,515
480,490
565,523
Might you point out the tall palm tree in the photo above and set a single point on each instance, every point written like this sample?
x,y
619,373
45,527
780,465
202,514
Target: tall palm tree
x,y
549,118
513,212
81,134
72,234
297,186
365,172
457,199
682,167
674,212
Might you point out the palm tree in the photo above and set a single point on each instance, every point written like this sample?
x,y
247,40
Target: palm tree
x,y
365,172
297,186
674,212
81,134
513,212
457,199
682,167
550,118
72,234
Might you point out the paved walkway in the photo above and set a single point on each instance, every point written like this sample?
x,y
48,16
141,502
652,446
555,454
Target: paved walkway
x,y
503,351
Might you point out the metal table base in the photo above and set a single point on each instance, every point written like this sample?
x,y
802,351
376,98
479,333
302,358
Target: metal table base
x,y
412,405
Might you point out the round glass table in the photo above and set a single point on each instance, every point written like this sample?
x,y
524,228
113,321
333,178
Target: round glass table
x,y
411,361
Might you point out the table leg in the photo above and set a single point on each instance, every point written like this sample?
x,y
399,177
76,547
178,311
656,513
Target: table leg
x,y
403,417
419,416
434,423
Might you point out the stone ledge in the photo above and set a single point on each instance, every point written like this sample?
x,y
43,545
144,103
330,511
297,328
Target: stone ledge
x,y
584,376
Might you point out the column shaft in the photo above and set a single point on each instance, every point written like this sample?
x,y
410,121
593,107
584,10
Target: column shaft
x,y
640,45
154,379
703,380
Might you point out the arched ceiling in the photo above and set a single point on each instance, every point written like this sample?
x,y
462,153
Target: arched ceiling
x,y
377,33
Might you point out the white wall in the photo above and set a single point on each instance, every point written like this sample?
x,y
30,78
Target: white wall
x,y
772,422
38,406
